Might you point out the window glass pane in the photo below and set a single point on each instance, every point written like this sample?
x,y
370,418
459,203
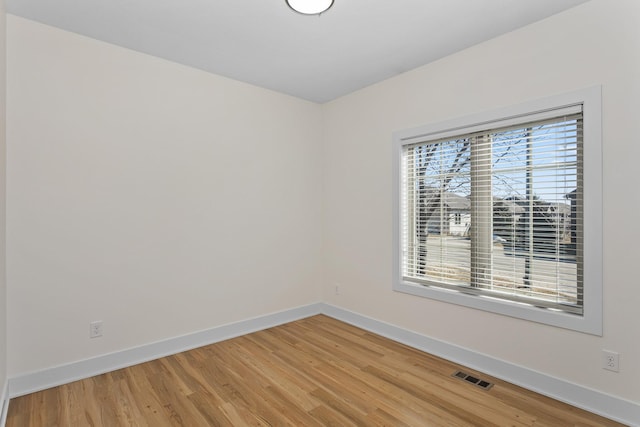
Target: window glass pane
x,y
534,172
498,212
441,212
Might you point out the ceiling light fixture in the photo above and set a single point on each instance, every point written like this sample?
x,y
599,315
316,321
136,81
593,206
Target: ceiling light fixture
x,y
310,7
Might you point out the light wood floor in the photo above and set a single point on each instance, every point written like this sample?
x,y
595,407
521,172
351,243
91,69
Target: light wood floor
x,y
313,372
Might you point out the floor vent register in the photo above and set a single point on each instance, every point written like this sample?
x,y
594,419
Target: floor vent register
x,y
485,385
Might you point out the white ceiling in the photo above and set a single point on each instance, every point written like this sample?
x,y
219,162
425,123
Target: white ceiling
x,y
354,44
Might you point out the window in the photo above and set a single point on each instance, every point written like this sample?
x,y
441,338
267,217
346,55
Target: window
x,y
527,181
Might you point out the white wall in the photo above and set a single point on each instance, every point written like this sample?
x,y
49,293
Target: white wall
x,y
3,302
597,43
157,198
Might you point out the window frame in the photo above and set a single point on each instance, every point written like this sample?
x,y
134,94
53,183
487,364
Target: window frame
x,y
590,321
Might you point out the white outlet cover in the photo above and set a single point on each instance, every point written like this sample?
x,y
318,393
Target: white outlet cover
x,y
95,329
610,361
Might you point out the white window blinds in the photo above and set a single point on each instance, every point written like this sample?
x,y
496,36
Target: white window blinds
x,y
496,210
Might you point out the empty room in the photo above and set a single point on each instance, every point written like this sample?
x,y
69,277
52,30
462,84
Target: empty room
x,y
316,212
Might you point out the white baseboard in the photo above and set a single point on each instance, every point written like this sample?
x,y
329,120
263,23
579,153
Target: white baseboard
x,y
41,380
5,404
591,400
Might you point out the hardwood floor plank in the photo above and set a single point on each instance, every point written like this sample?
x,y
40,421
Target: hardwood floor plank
x,y
381,418
329,417
212,413
313,372
340,405
288,379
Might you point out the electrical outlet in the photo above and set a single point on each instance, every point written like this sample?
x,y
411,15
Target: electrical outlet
x,y
95,329
610,361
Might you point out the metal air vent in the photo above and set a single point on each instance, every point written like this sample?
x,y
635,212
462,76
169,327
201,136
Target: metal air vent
x,y
485,385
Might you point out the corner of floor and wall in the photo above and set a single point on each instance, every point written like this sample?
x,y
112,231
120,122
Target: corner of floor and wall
x,y
180,208
582,397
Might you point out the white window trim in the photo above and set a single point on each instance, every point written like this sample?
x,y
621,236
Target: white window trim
x,y
591,320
